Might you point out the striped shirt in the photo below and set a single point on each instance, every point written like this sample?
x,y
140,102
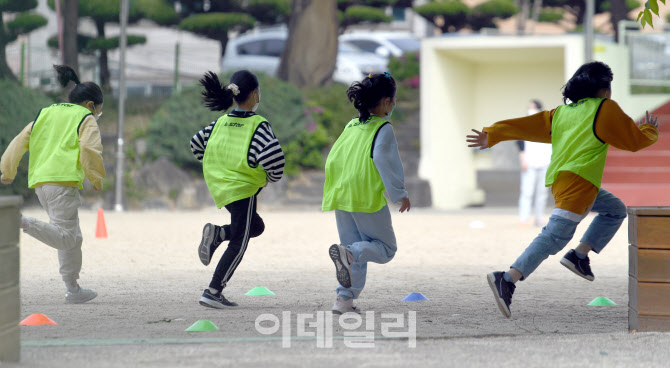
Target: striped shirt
x,y
264,149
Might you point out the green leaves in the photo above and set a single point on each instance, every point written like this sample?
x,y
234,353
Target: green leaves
x,y
361,14
645,17
113,42
17,5
25,23
217,25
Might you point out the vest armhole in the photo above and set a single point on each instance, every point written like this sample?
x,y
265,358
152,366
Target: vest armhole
x,y
594,121
81,122
251,141
35,121
372,149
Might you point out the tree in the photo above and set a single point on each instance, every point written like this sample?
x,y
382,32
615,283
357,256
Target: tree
x,y
453,15
357,12
311,49
23,23
217,25
70,13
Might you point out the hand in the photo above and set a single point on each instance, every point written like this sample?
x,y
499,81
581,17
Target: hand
x,y
524,163
405,205
478,140
6,181
650,119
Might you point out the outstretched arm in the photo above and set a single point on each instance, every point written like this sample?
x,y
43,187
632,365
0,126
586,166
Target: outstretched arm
x,y
12,156
535,128
613,126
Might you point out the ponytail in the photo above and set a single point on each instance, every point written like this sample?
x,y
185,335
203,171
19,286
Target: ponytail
x,y
219,98
367,93
587,81
87,91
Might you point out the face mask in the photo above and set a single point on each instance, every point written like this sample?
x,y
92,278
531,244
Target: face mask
x,y
388,114
533,111
96,115
258,102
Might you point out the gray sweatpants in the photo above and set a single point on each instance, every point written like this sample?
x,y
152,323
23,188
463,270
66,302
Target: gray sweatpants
x,y
62,232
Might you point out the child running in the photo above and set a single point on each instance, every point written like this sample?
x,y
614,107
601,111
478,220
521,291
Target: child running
x,y
361,165
240,155
64,147
580,134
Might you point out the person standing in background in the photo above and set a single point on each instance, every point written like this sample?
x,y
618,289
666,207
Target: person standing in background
x,y
534,158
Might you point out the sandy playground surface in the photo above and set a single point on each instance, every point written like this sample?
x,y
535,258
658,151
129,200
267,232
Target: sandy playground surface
x,y
149,281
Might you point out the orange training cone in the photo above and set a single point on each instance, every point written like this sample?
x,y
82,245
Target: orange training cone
x,y
101,228
37,319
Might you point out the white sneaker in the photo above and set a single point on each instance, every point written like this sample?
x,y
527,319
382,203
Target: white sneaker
x,y
342,260
342,306
80,296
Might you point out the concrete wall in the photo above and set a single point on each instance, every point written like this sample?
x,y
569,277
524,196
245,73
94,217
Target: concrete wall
x,y
10,343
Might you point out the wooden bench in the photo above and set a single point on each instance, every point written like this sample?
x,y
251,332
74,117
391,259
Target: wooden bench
x,y
649,269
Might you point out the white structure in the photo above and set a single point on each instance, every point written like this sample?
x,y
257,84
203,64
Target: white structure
x,y
473,81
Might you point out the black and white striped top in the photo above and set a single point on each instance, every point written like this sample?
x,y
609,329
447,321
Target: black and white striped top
x,y
264,149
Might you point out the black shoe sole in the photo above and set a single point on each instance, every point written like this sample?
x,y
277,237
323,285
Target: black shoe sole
x,y
341,272
217,306
203,250
501,303
571,266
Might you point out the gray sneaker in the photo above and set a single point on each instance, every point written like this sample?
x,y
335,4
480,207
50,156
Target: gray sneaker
x,y
80,296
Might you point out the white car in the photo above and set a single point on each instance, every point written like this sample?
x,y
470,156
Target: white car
x,y
261,52
384,44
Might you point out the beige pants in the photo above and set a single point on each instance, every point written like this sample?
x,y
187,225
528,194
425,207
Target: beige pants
x,y
62,232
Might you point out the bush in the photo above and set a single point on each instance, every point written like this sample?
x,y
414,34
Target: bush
x,y
405,67
215,25
483,14
453,12
183,115
19,107
359,14
269,11
550,15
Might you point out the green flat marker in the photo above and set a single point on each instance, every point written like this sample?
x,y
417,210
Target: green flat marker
x,y
260,290
602,301
202,326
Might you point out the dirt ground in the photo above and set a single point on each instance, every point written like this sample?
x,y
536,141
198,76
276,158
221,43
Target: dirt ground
x,y
149,280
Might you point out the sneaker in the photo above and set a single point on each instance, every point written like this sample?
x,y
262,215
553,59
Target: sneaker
x,y
217,301
211,238
343,260
342,306
502,290
580,267
80,296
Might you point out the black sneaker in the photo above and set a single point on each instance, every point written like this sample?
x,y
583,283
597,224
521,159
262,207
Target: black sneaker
x,y
502,290
340,257
580,267
210,241
217,301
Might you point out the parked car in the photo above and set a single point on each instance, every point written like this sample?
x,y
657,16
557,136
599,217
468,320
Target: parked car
x,y
261,52
384,44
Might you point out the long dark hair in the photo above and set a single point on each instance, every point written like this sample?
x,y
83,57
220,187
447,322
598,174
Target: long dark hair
x,y
587,81
367,93
219,98
87,91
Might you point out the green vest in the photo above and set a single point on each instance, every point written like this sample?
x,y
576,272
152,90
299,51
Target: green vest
x,y
575,146
226,168
54,145
353,183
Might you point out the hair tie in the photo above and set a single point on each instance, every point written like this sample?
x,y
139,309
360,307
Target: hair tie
x,y
233,87
370,76
387,75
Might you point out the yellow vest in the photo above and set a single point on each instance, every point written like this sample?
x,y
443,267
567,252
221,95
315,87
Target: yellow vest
x,y
575,146
353,183
54,145
225,165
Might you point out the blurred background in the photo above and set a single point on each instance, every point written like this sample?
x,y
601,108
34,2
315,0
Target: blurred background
x,y
459,65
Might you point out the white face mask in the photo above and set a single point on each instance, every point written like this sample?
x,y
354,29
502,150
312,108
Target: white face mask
x,y
388,114
96,114
257,102
533,111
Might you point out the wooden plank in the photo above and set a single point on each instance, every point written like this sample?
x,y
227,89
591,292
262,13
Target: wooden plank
x,y
632,229
632,261
653,299
653,232
649,211
642,323
653,265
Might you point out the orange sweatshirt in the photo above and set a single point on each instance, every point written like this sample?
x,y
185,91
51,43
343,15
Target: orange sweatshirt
x,y
572,192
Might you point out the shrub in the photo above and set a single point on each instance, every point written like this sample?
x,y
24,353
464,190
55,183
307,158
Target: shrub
x,y
483,14
19,107
360,14
453,13
183,115
550,15
405,67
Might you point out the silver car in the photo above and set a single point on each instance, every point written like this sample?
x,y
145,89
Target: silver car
x,y
261,52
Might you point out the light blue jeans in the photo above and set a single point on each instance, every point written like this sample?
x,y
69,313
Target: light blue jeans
x,y
370,238
561,228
